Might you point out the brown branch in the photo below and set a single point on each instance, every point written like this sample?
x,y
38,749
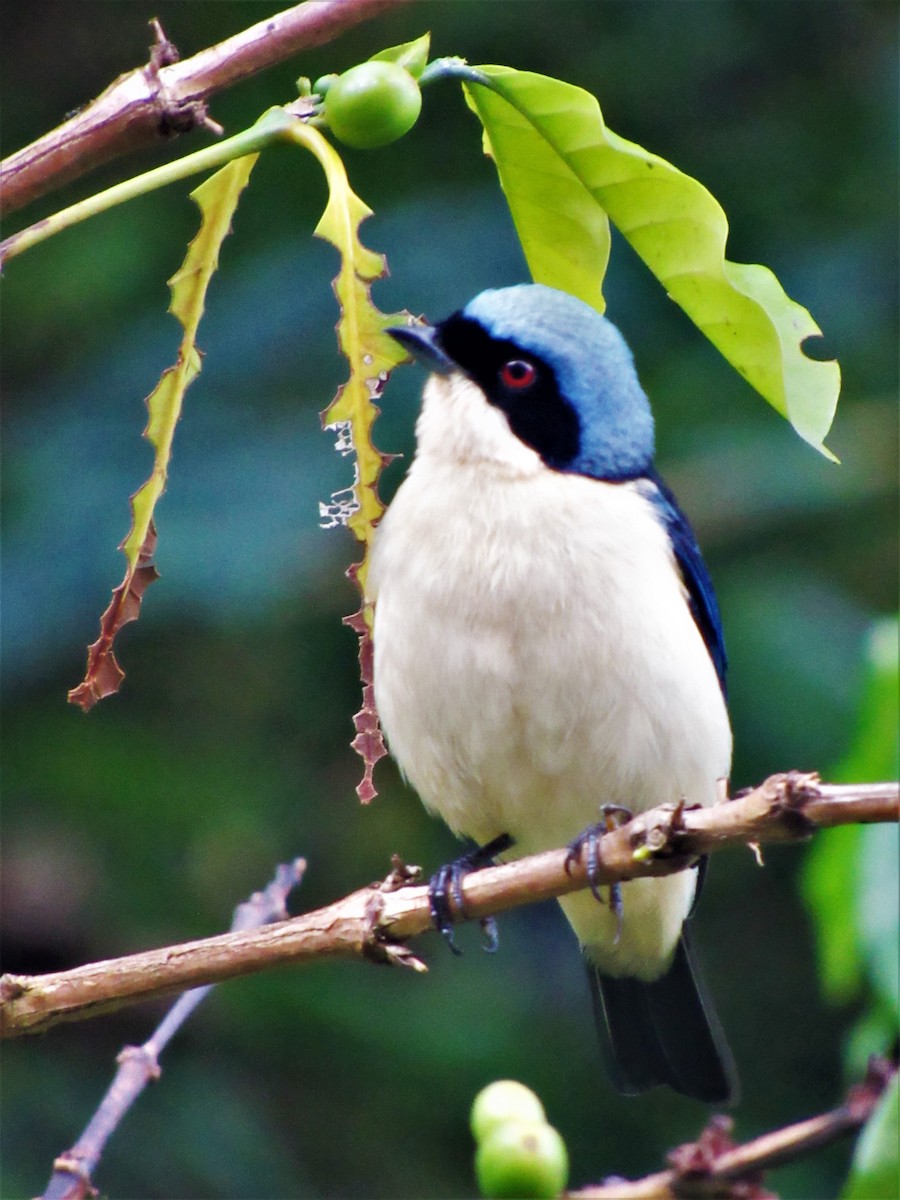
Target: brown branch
x,y
374,921
167,97
714,1166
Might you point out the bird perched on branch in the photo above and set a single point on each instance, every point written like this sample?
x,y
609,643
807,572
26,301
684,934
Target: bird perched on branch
x,y
547,642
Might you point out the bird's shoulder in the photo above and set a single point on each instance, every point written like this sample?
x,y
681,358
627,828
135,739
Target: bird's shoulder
x,y
694,573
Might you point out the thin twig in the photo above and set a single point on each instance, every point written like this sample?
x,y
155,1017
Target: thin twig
x,y
167,97
375,921
714,1166
139,1065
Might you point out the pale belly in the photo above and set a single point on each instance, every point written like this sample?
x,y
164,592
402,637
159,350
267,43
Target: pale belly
x,y
532,664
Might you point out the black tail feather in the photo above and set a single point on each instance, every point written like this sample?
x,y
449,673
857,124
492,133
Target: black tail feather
x,y
664,1032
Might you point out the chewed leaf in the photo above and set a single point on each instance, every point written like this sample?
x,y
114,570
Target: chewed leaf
x,y
104,675
676,226
370,352
369,740
217,198
371,355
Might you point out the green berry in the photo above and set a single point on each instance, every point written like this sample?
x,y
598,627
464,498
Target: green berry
x,y
504,1100
372,104
323,83
522,1160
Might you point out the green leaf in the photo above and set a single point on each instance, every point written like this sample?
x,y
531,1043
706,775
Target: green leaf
x,y
828,886
411,55
372,355
875,1171
873,1033
217,198
849,881
874,754
878,910
557,161
370,352
563,229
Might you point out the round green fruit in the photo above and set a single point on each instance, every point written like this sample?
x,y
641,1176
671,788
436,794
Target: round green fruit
x,y
522,1160
372,104
504,1100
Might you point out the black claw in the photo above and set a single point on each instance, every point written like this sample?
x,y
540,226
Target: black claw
x,y
588,844
615,815
446,885
439,887
490,935
450,938
615,903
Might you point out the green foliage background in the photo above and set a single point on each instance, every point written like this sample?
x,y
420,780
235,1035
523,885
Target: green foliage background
x,y
147,821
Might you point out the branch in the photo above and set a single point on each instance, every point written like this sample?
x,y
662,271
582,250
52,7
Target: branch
x,y
139,1065
166,97
374,921
714,1166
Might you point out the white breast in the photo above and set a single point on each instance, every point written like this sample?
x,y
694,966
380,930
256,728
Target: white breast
x,y
535,658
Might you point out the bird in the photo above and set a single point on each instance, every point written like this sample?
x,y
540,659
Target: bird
x,y
547,642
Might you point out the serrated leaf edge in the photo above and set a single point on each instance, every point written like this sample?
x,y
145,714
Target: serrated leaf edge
x,y
217,198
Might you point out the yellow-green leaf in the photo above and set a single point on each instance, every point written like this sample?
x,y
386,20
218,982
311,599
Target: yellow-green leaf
x,y
563,230
217,198
370,352
371,355
556,157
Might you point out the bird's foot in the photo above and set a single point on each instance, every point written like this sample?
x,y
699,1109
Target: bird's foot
x,y
445,891
588,844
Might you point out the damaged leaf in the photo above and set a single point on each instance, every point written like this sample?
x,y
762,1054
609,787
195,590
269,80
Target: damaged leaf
x,y
104,676
371,355
217,198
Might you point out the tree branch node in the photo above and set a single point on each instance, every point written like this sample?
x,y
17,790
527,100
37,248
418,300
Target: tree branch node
x,y
174,114
169,95
145,1059
12,987
377,945
402,875
69,1164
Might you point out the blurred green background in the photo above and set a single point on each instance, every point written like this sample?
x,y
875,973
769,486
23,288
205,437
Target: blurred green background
x,y
227,749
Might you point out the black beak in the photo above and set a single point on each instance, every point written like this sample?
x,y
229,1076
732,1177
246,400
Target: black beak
x,y
422,342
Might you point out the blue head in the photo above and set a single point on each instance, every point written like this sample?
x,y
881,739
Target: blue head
x,y
560,371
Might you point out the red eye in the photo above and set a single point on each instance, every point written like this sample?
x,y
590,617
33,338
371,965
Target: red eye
x,y
517,374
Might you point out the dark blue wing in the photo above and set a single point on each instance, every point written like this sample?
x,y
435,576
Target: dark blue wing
x,y
701,596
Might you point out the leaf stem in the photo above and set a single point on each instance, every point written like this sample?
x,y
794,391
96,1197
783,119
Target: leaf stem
x,y
273,125
452,68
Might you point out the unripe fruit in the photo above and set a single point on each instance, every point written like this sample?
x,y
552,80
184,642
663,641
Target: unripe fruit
x,y
504,1100
372,104
522,1160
